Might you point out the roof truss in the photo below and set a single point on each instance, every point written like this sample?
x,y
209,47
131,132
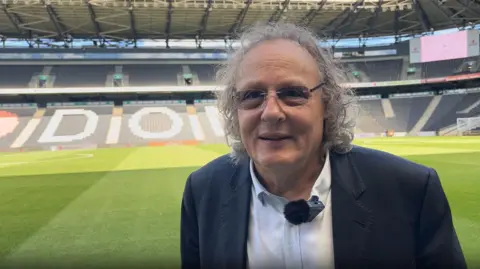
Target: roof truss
x,y
216,19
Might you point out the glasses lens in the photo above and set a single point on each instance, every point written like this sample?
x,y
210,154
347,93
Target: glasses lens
x,y
250,99
290,96
293,96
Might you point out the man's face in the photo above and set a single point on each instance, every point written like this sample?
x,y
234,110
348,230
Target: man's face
x,y
278,133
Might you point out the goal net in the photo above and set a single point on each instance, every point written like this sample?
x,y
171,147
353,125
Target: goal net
x,y
468,126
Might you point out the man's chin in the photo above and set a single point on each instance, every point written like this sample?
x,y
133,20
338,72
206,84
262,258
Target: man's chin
x,y
275,159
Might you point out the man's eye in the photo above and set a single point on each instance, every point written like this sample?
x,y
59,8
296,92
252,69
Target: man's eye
x,y
252,95
293,92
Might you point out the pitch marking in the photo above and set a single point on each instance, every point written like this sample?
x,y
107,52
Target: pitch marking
x,y
76,157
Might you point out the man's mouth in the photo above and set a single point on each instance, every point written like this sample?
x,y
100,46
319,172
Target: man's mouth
x,y
274,137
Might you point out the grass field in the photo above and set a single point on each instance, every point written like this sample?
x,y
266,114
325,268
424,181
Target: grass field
x,y
121,206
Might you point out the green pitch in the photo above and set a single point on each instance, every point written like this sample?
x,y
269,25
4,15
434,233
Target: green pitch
x,y
111,207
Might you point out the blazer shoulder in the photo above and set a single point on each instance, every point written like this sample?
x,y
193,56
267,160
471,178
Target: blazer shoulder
x,y
376,160
218,168
395,177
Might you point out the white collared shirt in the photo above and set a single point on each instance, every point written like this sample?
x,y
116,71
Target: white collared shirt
x,y
275,243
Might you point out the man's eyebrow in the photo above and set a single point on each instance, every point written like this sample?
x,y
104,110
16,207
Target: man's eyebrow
x,y
263,86
253,85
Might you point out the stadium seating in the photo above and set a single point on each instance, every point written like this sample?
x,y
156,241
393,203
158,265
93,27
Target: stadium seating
x,y
369,70
441,69
380,70
72,125
81,75
206,73
451,107
407,112
143,123
17,76
13,124
148,75
85,125
102,124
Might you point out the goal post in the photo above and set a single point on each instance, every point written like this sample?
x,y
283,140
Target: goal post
x,y
468,126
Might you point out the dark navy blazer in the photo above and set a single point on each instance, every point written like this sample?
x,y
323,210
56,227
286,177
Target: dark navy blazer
x,y
387,213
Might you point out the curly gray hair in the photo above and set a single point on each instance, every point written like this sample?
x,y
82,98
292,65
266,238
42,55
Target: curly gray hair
x,y
338,125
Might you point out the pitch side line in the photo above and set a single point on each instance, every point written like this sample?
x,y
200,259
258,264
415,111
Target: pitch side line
x,y
76,157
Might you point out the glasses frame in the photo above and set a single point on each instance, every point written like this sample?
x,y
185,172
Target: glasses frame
x,y
265,95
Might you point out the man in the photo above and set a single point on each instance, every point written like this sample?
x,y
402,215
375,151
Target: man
x,y
286,114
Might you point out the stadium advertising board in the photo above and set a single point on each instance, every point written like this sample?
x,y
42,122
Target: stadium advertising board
x,y
463,77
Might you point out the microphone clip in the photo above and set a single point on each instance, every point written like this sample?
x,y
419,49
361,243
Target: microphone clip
x,y
302,211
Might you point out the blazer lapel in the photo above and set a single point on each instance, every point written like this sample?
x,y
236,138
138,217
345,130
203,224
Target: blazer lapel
x,y
351,220
235,216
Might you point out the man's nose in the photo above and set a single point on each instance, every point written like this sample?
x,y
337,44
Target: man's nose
x,y
272,109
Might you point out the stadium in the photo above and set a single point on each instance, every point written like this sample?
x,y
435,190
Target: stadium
x,y
106,106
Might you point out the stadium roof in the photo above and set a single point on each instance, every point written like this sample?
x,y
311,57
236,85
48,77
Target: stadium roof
x,y
218,19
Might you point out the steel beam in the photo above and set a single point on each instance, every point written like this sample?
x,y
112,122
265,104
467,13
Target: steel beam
x,y
422,16
54,19
133,28
374,18
277,15
108,20
457,14
240,18
203,23
347,21
168,25
93,17
396,21
446,14
470,6
14,19
332,24
307,20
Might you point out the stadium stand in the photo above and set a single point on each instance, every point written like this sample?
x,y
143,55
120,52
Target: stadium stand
x,y
69,126
374,108
99,124
17,76
151,75
14,120
193,117
208,116
441,68
205,73
81,75
84,125
155,122
451,107
408,111
380,70
367,70
366,123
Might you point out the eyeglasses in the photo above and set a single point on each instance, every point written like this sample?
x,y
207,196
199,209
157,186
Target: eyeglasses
x,y
290,96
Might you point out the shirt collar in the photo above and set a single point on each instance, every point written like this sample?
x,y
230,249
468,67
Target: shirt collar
x,y
320,188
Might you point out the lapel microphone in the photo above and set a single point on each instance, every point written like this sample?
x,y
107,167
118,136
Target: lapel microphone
x,y
301,211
